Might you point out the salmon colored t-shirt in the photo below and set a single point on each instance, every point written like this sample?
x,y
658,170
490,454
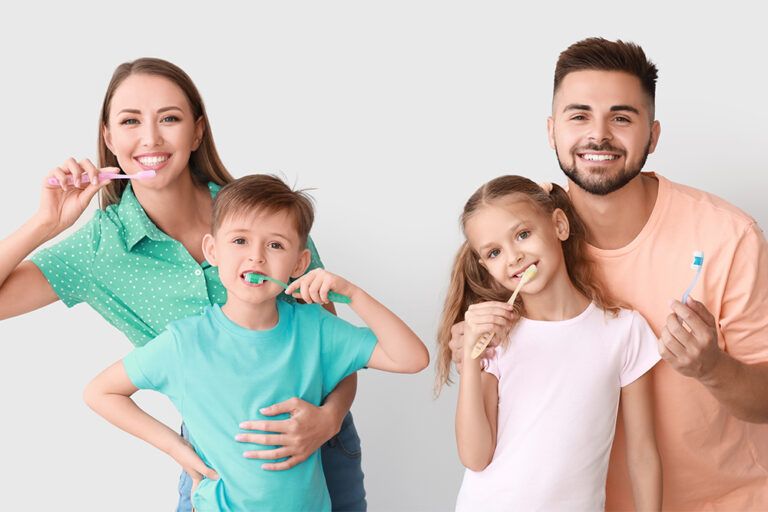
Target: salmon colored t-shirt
x,y
711,460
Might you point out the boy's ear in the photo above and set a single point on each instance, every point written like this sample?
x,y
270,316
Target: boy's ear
x,y
301,266
562,226
209,249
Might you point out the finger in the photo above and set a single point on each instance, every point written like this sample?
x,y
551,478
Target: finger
x,y
286,406
323,292
282,466
314,290
489,319
266,439
679,332
205,471
491,305
91,171
75,170
457,329
278,453
696,316
61,174
670,344
275,426
295,285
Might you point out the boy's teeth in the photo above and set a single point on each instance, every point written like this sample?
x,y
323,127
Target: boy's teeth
x,y
599,158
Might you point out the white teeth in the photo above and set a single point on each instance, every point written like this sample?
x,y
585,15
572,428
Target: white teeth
x,y
152,160
599,158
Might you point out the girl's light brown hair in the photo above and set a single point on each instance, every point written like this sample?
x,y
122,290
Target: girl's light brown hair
x,y
204,163
471,283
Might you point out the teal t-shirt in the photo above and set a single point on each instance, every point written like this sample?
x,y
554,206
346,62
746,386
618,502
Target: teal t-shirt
x,y
132,273
219,374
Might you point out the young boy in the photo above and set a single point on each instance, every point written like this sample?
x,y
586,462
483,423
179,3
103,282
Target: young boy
x,y
253,351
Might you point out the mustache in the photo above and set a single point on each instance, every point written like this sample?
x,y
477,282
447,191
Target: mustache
x,y
605,146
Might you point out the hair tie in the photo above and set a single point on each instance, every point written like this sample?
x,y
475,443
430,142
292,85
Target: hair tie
x,y
546,186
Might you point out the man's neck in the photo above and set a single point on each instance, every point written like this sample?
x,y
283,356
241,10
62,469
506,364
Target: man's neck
x,y
614,220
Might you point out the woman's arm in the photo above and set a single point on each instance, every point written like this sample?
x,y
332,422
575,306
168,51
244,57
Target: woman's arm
x,y
476,415
642,454
109,395
23,287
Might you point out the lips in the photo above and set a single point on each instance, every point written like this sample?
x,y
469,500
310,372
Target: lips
x,y
152,161
252,271
519,273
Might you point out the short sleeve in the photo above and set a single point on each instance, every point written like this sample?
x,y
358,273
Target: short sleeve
x,y
641,350
68,264
491,364
744,311
157,365
345,348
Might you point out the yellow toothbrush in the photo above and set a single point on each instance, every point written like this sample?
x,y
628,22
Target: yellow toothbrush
x,y
486,338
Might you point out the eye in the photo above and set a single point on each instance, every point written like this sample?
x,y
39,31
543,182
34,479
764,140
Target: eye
x,y
129,121
622,119
523,235
578,117
492,254
170,119
275,245
239,241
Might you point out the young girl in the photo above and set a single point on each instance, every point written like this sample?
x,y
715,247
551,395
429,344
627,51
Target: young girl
x,y
139,261
534,426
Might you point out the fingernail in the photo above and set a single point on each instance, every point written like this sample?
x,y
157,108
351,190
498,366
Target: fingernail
x,y
263,410
239,437
94,180
243,425
672,302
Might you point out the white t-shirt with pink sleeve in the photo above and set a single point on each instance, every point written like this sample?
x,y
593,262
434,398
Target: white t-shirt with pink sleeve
x,y
559,390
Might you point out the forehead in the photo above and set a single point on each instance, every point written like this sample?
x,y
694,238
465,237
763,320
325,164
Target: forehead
x,y
260,222
496,218
147,91
600,89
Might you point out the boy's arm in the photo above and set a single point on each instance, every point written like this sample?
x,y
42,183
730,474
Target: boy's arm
x,y
642,454
109,395
398,349
476,415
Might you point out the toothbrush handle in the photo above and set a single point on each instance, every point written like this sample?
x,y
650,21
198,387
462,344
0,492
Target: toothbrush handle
x,y
84,178
337,297
481,343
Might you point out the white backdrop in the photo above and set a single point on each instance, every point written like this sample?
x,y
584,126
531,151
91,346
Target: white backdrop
x,y
396,112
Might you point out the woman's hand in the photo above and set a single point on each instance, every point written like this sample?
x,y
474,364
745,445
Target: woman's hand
x,y
297,438
61,205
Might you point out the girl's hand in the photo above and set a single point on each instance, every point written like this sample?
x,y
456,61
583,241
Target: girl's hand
x,y
315,285
187,458
485,317
61,205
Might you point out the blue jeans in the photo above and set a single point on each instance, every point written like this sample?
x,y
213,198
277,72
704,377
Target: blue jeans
x,y
342,467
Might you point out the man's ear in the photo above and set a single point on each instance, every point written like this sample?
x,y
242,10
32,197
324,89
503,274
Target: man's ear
x,y
655,134
551,132
301,266
209,249
562,226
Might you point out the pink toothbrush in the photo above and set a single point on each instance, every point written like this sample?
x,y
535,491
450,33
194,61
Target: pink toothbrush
x,y
84,178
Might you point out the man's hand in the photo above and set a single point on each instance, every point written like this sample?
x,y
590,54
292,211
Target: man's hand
x,y
693,353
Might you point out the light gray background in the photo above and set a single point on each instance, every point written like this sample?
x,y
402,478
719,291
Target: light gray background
x,y
396,112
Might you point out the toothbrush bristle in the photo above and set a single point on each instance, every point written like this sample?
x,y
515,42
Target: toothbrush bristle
x,y
530,272
146,174
698,259
254,278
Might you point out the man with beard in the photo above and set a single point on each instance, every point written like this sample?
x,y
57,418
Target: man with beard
x,y
711,389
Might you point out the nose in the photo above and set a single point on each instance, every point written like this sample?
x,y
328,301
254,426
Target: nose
x,y
514,257
257,255
151,136
600,131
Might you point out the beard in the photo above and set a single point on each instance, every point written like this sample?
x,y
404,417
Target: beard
x,y
599,182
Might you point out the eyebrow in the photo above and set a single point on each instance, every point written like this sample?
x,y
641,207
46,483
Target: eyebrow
x,y
160,111
615,108
247,231
491,244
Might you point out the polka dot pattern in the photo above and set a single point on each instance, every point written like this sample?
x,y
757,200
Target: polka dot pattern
x,y
132,273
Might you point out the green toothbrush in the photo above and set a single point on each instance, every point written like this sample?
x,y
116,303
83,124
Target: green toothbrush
x,y
254,278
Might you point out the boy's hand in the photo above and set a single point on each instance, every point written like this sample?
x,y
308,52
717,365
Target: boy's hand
x,y
185,455
315,285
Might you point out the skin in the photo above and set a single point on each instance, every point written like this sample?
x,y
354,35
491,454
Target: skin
x,y
150,115
508,236
269,244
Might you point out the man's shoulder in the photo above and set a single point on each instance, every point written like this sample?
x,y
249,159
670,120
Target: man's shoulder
x,y
704,206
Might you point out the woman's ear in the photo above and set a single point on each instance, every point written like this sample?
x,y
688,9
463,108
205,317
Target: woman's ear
x,y
199,132
209,249
562,226
301,266
107,137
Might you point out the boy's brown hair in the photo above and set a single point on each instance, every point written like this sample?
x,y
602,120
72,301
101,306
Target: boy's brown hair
x,y
264,193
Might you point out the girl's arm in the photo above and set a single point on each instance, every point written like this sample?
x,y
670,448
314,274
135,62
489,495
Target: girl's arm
x,y
476,415
642,455
109,395
398,349
23,287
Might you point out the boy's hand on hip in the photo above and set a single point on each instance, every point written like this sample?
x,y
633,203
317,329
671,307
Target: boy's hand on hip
x,y
296,438
694,352
193,465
